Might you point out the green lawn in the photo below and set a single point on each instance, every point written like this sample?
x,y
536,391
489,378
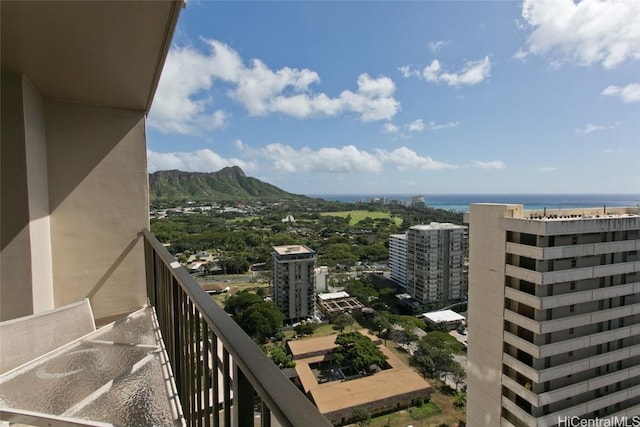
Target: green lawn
x,y
357,216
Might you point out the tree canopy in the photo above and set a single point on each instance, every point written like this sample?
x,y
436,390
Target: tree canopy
x,y
434,356
357,350
343,320
258,318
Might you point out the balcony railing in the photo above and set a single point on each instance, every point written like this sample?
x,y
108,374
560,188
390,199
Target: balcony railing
x,y
220,373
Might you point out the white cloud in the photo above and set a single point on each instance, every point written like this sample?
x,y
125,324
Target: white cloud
x,y
472,73
203,160
180,104
493,164
594,128
521,54
548,169
285,158
431,71
409,71
437,45
627,94
448,125
183,98
416,126
405,158
281,158
586,32
390,128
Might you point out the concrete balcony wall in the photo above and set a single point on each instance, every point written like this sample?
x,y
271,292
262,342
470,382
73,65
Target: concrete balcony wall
x,y
524,417
590,406
544,303
486,305
570,275
576,321
98,195
586,386
80,202
27,279
572,251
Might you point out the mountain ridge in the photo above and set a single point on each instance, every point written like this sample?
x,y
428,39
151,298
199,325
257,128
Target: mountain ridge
x,y
229,183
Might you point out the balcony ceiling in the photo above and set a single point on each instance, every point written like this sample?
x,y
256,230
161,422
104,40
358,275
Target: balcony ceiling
x,y
107,53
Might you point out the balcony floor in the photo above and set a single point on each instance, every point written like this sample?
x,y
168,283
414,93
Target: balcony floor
x,y
118,375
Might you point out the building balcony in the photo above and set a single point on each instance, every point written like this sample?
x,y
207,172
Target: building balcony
x,y
569,275
573,367
567,322
183,350
574,297
548,350
571,251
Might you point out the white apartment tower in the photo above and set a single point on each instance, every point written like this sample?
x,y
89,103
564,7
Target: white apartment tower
x,y
554,315
398,258
435,263
293,281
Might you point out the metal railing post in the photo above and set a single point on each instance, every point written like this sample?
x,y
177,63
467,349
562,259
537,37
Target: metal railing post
x,y
193,327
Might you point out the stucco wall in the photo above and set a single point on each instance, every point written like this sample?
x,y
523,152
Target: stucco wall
x,y
38,190
486,305
99,204
15,258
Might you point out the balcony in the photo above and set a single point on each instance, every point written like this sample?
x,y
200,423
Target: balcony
x,y
76,91
220,375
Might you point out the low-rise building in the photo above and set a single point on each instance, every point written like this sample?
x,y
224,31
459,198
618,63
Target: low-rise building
x,y
398,386
334,304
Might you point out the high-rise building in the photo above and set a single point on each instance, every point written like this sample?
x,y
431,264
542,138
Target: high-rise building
x,y
418,201
554,315
436,272
398,259
293,281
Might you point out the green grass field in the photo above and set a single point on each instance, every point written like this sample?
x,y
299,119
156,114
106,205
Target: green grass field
x,y
357,216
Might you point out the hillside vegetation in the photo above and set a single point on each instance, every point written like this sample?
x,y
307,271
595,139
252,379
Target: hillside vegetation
x,y
227,184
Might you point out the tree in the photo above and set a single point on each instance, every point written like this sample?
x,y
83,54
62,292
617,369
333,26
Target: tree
x,y
458,374
361,416
460,400
305,328
343,321
280,357
357,350
439,326
237,303
442,340
260,320
433,362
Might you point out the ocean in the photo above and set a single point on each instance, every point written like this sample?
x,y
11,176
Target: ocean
x,y
461,202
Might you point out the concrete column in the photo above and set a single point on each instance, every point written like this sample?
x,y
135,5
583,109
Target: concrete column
x,y
15,257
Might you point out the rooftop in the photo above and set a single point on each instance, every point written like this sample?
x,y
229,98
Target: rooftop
x,y
330,397
443,316
438,226
333,295
292,250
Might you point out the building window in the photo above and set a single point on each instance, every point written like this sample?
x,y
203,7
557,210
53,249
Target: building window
x,y
573,263
574,240
570,353
570,331
573,285
572,308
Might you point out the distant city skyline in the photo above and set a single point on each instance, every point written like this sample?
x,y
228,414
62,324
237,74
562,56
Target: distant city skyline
x,y
405,97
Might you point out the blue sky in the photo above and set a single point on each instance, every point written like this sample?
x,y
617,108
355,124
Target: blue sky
x,y
416,97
